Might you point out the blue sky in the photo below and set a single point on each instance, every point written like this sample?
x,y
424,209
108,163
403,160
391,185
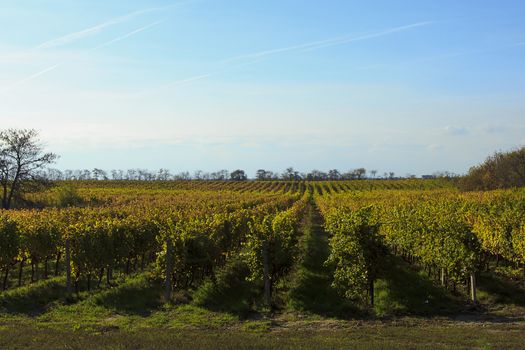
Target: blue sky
x,y
404,86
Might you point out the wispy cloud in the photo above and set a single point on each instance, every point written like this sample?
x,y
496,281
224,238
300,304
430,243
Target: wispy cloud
x,y
75,36
127,35
72,37
256,57
190,79
31,77
55,66
316,45
446,56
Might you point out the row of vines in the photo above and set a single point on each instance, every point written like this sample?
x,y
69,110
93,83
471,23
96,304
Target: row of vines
x,y
452,235
184,236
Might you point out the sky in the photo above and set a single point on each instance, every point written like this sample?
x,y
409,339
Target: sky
x,y
407,86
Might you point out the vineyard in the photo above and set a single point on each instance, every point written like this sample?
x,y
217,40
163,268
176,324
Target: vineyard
x,y
264,247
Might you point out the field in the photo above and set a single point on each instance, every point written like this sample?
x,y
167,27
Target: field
x,y
366,264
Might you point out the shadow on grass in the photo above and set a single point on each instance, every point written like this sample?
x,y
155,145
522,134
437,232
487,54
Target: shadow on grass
x,y
139,295
231,292
34,299
405,291
495,289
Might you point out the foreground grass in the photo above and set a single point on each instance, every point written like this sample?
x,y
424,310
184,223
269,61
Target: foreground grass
x,y
357,337
133,316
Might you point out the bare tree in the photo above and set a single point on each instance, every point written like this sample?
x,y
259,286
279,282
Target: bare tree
x,y
99,174
21,159
359,173
290,174
163,174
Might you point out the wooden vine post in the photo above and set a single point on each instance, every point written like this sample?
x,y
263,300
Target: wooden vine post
x,y
473,295
266,274
68,267
169,269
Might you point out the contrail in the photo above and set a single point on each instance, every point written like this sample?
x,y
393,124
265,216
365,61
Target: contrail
x,y
127,35
31,77
72,37
188,80
53,67
310,46
191,79
371,36
315,45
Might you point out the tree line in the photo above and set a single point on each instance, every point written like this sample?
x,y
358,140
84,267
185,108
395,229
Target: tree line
x,y
163,174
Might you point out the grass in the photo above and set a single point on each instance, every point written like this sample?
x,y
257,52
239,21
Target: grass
x,y
230,292
405,291
132,316
138,295
360,337
311,289
33,299
501,296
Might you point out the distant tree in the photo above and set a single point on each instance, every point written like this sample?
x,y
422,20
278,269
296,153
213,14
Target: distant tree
x,y
360,173
220,175
21,158
163,175
290,174
53,175
444,174
99,174
185,175
316,175
145,175
261,174
238,175
131,174
117,174
391,175
81,174
373,173
334,174
223,174
500,170
197,175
